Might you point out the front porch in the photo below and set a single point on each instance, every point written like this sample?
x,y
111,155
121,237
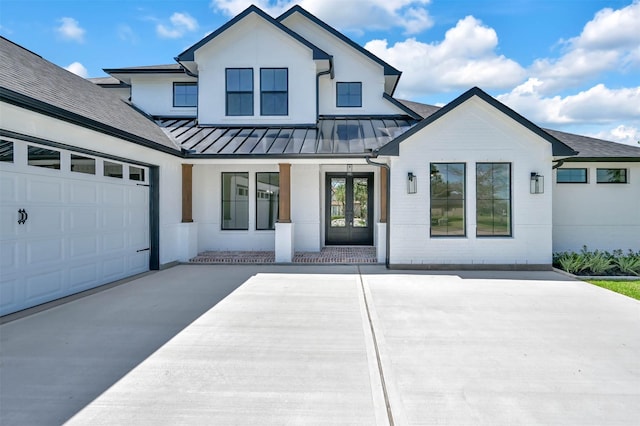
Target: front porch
x,y
327,255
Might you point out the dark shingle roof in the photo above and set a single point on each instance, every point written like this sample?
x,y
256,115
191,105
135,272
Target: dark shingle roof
x,y
32,82
332,137
597,149
107,82
587,147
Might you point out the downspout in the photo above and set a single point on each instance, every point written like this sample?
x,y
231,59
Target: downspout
x,y
388,206
559,163
318,75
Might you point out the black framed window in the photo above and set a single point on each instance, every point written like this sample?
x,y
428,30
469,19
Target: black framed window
x,y
235,201
274,87
185,94
448,199
6,151
349,94
611,175
42,157
267,200
239,88
82,164
493,199
571,175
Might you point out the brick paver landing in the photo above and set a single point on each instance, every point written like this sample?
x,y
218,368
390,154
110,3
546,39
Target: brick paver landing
x,y
327,255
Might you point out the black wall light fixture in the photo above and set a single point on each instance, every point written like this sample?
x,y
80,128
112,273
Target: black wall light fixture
x,y
537,183
412,183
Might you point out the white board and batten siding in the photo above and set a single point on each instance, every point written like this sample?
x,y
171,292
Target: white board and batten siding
x,y
77,230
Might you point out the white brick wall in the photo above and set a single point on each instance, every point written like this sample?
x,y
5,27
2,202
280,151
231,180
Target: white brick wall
x,y
473,132
600,216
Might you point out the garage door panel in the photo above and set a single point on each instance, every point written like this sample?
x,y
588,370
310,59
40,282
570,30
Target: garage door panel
x,y
113,241
138,196
83,219
9,220
114,195
45,220
8,292
43,286
83,193
8,188
43,190
44,251
83,276
113,219
8,256
114,267
139,262
83,245
138,239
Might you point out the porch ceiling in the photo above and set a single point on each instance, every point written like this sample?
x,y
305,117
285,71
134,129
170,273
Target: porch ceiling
x,y
332,136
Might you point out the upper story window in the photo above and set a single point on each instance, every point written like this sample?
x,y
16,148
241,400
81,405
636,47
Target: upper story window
x,y
185,94
571,175
274,97
611,175
349,94
239,87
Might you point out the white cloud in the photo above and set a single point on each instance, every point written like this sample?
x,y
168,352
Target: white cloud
x,y
624,134
351,15
78,69
598,104
181,23
126,33
610,41
466,57
70,29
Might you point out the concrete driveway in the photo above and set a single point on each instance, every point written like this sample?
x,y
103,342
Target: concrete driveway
x,y
327,345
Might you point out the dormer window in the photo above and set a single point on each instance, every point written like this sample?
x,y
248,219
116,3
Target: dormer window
x,y
185,94
239,87
349,94
274,97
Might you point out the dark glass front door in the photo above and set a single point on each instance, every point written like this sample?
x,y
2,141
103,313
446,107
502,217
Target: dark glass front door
x,y
349,209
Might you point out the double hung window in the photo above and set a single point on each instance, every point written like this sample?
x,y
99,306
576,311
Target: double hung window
x,y
448,199
239,88
274,97
493,199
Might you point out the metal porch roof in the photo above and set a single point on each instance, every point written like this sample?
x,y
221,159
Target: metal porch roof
x,y
333,136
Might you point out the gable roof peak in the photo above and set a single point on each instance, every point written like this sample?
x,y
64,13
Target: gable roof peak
x,y
188,55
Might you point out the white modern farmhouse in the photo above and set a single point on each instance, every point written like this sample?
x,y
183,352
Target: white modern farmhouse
x,y
295,145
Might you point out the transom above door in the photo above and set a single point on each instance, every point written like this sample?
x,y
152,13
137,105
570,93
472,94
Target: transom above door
x,y
349,209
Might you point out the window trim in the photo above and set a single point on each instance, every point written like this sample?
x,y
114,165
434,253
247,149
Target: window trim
x,y
464,200
626,176
228,92
263,92
184,83
510,235
338,83
586,175
256,202
222,200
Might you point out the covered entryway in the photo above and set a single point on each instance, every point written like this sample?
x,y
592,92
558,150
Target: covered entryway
x,y
349,209
69,222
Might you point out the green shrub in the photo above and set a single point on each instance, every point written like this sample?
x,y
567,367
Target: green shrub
x,y
629,264
598,262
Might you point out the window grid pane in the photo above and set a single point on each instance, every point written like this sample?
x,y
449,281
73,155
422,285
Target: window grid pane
x,y
493,199
185,94
448,199
274,97
349,94
571,176
6,151
239,88
113,170
80,164
42,157
235,201
267,200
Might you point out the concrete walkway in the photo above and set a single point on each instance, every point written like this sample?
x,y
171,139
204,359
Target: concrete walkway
x,y
275,345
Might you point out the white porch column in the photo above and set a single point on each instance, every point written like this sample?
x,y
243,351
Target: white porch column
x,y
381,242
284,242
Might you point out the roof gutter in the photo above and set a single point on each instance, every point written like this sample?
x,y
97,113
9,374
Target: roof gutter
x,y
387,207
318,75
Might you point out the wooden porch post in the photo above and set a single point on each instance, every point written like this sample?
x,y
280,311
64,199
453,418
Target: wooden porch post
x,y
187,198
284,212
383,194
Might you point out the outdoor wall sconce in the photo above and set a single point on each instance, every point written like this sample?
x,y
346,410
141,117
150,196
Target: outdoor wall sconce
x,y
537,183
412,183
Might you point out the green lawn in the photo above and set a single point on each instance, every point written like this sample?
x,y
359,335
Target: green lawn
x,y
628,288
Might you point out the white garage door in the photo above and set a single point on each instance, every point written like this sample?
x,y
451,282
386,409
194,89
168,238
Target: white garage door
x,y
68,222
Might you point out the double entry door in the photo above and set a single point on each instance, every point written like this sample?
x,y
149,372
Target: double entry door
x,y
349,209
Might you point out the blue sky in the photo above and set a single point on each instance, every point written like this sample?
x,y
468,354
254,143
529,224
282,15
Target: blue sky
x,y
572,65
